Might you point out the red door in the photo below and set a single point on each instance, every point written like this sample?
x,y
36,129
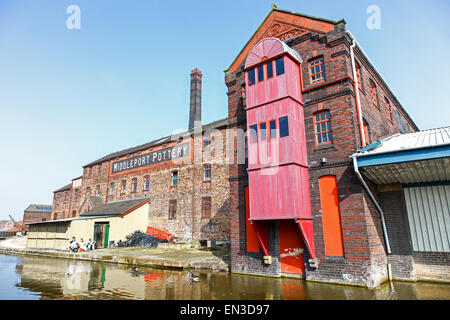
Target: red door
x,y
291,248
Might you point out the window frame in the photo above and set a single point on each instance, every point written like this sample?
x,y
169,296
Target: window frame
x,y
146,183
205,170
206,207
123,186
172,175
374,93
172,210
111,189
279,127
387,103
134,184
322,73
270,129
319,122
261,131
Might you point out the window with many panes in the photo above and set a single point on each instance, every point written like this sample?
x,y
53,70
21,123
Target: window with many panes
x,y
322,127
207,172
206,207
317,70
174,180
265,71
172,209
134,185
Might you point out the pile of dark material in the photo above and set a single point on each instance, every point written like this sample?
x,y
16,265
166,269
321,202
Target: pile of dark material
x,y
140,239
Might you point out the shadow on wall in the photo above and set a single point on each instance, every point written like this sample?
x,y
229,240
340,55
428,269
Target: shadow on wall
x,y
218,227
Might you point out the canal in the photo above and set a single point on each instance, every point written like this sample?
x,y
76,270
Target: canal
x,y
33,278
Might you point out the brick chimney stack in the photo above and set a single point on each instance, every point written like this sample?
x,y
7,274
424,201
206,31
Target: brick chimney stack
x,y
195,111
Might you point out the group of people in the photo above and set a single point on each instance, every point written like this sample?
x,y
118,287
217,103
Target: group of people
x,y
81,246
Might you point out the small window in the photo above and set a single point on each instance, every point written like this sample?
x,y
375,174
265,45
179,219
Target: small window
x,y
99,169
322,125
174,181
317,70
206,207
253,133
284,127
207,172
134,185
74,214
98,190
263,131
111,188
408,128
400,122
124,186
358,75
172,209
373,91
388,108
206,140
269,69
246,148
88,191
366,131
146,182
273,129
279,63
251,77
260,73
244,95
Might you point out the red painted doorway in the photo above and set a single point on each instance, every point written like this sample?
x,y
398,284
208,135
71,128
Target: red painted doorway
x,y
291,247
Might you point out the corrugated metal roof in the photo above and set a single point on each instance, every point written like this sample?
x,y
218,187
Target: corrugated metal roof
x,y
410,141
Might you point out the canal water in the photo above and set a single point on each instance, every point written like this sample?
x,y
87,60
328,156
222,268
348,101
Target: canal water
x,y
32,278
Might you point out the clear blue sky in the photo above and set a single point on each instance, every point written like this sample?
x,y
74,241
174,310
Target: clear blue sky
x,y
68,97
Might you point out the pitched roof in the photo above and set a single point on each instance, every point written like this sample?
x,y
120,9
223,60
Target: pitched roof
x,y
39,208
67,187
116,208
213,125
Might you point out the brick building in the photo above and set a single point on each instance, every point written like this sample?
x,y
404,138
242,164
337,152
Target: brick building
x,y
188,193
36,213
340,111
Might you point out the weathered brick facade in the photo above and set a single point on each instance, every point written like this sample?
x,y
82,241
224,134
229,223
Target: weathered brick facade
x,y
364,260
36,213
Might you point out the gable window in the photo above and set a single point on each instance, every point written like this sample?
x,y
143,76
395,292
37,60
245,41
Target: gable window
x,y
317,70
251,77
111,188
207,172
206,207
284,127
322,126
174,180
254,133
172,209
146,182
388,108
134,185
124,186
279,63
373,92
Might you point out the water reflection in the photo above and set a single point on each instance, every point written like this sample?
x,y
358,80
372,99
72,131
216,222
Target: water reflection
x,y
50,278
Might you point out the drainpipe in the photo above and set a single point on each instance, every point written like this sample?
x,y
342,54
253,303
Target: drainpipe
x,y
356,89
383,223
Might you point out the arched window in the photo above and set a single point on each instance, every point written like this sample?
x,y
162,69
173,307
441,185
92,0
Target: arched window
x,y
388,108
322,127
358,75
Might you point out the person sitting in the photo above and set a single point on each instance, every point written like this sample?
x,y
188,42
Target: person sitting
x,y
82,246
73,245
91,244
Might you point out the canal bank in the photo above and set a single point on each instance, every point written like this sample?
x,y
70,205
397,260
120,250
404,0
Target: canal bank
x,y
170,256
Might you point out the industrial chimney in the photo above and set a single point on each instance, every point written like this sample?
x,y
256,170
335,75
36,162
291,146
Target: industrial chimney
x,y
195,111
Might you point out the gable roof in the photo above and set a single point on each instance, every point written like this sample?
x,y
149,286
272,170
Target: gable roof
x,y
117,208
67,187
282,24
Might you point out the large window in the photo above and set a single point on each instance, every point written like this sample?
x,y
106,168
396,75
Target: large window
x,y
322,126
206,207
317,70
284,127
172,209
